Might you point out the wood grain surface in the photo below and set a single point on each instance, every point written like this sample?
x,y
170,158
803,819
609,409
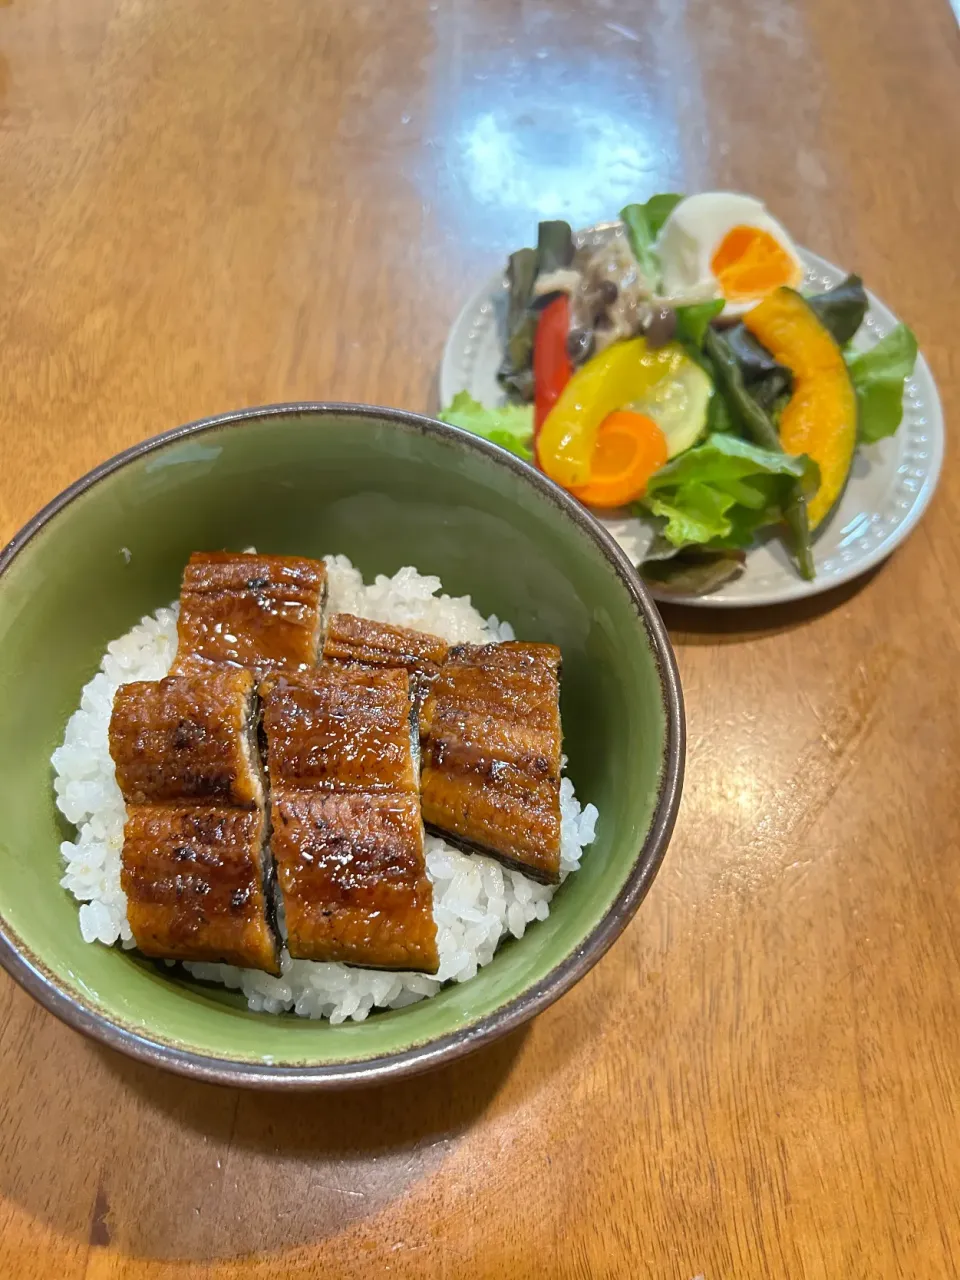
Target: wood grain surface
x,y
204,206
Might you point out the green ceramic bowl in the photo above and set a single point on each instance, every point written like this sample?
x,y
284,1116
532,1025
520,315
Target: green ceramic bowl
x,y
387,489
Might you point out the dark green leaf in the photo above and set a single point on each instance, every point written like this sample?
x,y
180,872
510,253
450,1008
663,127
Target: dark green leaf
x,y
777,406
756,424
841,309
510,426
749,416
518,386
658,210
755,361
693,572
772,392
521,273
719,417
554,247
694,320
878,376
643,223
515,372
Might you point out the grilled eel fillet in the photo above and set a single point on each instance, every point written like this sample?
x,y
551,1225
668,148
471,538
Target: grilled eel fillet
x,y
347,834
352,641
248,610
194,863
490,743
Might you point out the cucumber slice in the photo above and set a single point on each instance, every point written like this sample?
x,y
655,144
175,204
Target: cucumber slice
x,y
678,403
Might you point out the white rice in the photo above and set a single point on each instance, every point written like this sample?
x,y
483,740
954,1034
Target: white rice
x,y
476,902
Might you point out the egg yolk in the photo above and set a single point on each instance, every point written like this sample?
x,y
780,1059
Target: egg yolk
x,y
750,263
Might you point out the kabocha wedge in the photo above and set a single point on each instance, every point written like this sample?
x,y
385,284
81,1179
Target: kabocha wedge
x,y
820,418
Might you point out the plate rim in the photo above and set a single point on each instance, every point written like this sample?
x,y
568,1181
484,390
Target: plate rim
x,y
797,588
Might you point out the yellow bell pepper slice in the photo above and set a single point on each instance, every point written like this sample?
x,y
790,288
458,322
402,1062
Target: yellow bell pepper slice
x,y
624,373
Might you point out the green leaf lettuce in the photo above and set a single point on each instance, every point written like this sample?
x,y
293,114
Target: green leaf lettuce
x,y
722,491
510,426
878,376
643,223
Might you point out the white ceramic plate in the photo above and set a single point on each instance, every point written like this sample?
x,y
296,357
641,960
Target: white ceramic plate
x,y
889,488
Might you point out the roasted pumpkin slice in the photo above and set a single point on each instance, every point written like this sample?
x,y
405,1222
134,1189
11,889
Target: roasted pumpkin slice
x,y
820,418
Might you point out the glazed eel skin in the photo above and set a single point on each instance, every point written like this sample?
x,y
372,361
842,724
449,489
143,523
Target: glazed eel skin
x,y
249,610
347,833
352,641
195,867
196,864
491,754
489,718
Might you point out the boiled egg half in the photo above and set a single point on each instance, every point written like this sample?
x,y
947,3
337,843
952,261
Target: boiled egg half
x,y
722,245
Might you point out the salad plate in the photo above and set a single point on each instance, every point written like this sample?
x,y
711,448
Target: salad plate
x,y
890,482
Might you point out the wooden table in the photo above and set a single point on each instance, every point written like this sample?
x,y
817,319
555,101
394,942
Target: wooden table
x,y
204,206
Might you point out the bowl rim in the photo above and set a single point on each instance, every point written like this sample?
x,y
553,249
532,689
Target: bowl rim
x,y
29,971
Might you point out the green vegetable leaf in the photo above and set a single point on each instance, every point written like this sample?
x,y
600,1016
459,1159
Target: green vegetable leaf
x,y
643,223
694,320
878,376
510,426
755,422
515,373
722,491
841,309
719,417
658,209
722,459
693,572
698,514
755,361
555,247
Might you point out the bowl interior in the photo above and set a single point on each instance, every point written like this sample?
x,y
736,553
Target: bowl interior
x,y
387,494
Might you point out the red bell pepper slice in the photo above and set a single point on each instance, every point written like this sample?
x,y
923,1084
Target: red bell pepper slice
x,y
552,366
